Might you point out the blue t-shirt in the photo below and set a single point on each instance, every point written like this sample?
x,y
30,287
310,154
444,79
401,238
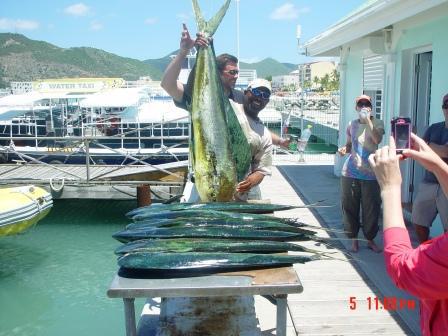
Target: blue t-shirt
x,y
357,165
436,133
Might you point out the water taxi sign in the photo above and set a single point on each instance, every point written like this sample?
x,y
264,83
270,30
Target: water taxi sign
x,y
77,85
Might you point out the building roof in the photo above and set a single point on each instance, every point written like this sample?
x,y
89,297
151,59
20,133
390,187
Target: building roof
x,y
371,17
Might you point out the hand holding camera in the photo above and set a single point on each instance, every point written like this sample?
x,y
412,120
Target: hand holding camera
x,y
401,132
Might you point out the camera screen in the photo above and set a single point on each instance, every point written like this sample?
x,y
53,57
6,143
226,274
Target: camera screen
x,y
402,134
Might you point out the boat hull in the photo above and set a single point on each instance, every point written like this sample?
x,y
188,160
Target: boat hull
x,y
22,207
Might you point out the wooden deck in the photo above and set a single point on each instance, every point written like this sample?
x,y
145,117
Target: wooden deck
x,y
171,173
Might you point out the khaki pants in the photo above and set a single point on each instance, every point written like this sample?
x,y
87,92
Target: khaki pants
x,y
359,195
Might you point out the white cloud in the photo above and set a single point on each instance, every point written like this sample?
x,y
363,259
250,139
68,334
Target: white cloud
x,y
150,21
78,9
19,24
95,25
288,11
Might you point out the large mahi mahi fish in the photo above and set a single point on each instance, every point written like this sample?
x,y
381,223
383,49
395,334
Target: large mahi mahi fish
x,y
221,154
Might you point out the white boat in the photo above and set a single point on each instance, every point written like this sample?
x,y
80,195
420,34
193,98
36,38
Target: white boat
x,y
22,207
117,126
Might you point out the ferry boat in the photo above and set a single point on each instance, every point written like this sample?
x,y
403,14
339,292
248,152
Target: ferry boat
x,y
117,126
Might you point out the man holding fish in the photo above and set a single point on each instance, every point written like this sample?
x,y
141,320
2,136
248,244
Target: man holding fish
x,y
245,106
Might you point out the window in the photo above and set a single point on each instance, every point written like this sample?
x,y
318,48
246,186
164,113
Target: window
x,y
373,82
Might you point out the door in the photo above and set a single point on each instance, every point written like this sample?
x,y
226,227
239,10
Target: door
x,y
421,111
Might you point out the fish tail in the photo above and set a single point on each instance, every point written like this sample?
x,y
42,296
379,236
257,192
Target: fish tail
x,y
209,27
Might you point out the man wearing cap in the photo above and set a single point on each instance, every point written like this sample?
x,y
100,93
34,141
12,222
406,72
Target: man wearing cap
x,y
255,99
359,188
430,199
247,105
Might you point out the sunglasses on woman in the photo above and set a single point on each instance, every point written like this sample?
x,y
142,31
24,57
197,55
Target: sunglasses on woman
x,y
445,105
364,104
259,93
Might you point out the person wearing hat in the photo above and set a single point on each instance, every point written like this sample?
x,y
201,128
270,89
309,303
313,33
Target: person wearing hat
x,y
252,101
360,192
228,69
256,97
430,199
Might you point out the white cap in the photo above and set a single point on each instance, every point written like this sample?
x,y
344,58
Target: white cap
x,y
259,82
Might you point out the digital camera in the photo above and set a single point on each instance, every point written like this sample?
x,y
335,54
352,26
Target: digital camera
x,y
401,131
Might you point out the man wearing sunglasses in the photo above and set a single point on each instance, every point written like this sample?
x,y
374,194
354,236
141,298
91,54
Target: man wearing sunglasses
x,y
228,69
227,66
430,199
359,187
255,99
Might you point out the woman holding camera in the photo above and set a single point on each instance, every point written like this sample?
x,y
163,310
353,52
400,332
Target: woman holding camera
x,y
359,188
423,271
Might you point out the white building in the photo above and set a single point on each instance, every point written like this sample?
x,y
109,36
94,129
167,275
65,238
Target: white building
x,y
21,87
285,81
308,71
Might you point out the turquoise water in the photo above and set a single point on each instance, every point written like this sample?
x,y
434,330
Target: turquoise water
x,y
54,278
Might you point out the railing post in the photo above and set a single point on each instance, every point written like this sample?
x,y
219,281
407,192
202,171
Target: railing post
x,y
143,195
86,143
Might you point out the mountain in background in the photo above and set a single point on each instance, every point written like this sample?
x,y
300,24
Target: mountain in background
x,y
23,59
269,67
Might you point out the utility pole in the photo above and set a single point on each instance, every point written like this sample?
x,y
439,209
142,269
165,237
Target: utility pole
x,y
238,29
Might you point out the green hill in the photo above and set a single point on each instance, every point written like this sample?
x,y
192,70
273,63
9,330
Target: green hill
x,y
265,68
269,67
23,59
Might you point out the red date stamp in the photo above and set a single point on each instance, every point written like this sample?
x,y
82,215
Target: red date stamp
x,y
390,303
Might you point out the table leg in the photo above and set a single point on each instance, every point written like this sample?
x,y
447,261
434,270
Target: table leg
x,y
281,314
129,316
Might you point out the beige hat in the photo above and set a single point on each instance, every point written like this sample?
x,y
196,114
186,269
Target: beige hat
x,y
363,97
259,82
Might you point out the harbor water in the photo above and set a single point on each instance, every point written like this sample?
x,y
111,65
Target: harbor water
x,y
54,278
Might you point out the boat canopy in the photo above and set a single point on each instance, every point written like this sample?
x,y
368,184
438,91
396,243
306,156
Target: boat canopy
x,y
122,97
16,105
162,111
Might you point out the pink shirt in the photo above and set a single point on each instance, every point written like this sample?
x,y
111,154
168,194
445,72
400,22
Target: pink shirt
x,y
423,272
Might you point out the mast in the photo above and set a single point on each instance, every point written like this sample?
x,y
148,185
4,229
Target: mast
x,y
238,29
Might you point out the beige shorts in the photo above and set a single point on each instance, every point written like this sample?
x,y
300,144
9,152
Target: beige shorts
x,y
429,202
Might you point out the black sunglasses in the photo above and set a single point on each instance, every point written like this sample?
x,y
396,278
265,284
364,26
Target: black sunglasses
x,y
259,93
363,104
445,105
232,72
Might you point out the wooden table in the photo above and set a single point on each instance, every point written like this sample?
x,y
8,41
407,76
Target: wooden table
x,y
276,282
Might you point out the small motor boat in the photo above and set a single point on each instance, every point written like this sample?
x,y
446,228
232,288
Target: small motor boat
x,y
22,207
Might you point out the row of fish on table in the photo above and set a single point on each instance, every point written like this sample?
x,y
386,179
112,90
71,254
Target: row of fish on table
x,y
187,238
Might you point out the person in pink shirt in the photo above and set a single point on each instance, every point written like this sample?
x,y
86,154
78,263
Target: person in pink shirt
x,y
423,271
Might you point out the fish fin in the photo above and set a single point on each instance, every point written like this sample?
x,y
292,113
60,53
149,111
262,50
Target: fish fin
x,y
209,27
199,17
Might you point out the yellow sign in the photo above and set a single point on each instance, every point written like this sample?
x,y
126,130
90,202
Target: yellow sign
x,y
77,85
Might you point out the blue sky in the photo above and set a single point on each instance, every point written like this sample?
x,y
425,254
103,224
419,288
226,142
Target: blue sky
x,y
144,29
